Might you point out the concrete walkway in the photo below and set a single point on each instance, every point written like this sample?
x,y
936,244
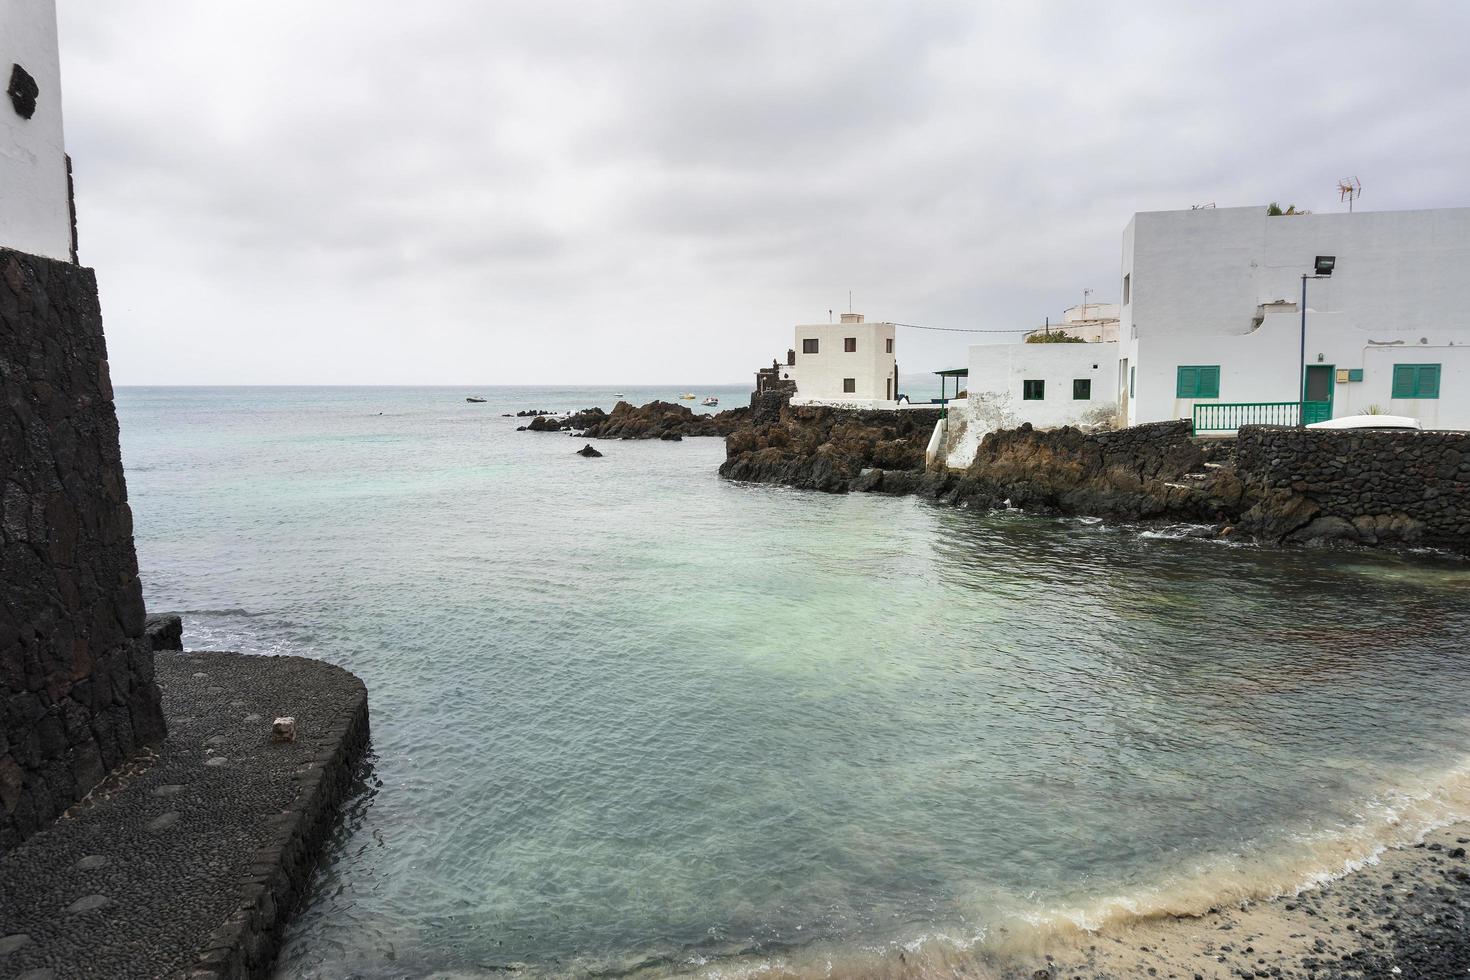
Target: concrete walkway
x,y
138,879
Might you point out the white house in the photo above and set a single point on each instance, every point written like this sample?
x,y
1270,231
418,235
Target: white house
x,y
1210,327
1092,322
851,363
1047,385
35,198
1211,316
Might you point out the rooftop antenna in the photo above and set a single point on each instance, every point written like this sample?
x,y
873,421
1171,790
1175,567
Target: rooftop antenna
x,y
1085,294
829,316
1348,189
849,301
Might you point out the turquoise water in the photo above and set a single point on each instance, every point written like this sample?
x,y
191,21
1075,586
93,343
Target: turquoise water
x,y
630,717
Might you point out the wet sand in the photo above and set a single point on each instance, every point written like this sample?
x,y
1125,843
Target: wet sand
x,y
1403,915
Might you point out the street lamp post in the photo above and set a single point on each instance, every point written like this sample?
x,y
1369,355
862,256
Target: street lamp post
x,y
1323,270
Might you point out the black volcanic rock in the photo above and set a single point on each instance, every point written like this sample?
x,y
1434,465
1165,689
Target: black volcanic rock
x,y
588,451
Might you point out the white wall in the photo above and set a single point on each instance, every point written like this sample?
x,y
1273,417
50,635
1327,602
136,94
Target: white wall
x,y
35,215
1262,367
1198,280
998,372
819,376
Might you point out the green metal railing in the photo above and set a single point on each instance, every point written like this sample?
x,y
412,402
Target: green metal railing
x,y
1229,416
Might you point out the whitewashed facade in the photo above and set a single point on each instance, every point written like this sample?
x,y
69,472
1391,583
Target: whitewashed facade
x,y
1211,316
852,363
1219,291
35,200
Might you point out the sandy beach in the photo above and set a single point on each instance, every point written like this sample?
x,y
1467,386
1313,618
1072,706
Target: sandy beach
x,y
1401,915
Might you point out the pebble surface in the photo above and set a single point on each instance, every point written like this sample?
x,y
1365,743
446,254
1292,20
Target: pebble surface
x,y
133,881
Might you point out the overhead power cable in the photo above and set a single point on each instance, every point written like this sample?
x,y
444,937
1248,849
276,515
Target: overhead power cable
x,y
915,326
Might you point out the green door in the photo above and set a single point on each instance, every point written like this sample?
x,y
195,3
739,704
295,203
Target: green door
x,y
1318,406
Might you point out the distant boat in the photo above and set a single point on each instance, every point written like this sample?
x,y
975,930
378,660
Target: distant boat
x,y
688,396
617,394
710,402
477,401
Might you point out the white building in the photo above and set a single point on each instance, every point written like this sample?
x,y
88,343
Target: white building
x,y
1210,327
851,364
1211,315
1092,322
35,198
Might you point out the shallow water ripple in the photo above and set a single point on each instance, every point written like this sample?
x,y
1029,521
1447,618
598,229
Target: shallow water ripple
x,y
627,716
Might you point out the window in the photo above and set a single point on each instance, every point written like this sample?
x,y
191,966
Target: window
x,y
1198,381
849,384
809,345
1127,288
1415,381
888,348
1082,389
1132,380
849,345
1033,390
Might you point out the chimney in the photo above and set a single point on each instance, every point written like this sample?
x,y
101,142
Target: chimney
x,y
852,318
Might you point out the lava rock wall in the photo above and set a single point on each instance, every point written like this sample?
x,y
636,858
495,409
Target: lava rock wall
x,y
1359,485
77,694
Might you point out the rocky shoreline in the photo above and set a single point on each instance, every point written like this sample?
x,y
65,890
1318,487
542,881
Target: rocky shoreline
x,y
656,420
1405,489
1404,914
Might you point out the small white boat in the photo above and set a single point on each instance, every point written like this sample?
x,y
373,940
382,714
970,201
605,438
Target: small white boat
x,y
688,396
1396,423
710,402
617,394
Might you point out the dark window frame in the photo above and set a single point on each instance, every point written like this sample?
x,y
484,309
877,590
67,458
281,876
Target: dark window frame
x,y
1085,389
809,345
849,386
849,345
1033,390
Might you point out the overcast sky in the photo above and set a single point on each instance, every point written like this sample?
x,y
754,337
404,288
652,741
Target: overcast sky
x,y
584,192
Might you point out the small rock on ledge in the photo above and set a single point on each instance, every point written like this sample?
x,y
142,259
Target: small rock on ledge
x,y
283,730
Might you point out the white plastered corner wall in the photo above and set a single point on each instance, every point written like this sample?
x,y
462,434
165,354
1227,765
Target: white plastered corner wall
x,y
35,209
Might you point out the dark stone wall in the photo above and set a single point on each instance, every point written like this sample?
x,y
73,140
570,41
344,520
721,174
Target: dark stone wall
x,y
76,673
1355,485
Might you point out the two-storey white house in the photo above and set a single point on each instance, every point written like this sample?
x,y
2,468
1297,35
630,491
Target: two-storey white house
x,y
1210,326
851,363
1212,315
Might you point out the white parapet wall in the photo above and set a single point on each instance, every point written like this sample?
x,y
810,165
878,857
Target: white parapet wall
x,y
35,205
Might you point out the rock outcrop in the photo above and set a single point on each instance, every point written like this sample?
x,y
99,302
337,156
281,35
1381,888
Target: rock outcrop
x,y
828,449
656,420
165,631
588,451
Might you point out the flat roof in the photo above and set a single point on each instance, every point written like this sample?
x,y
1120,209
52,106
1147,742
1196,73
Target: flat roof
x,y
954,373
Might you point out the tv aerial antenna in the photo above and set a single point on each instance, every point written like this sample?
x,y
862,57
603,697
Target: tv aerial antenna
x,y
1349,190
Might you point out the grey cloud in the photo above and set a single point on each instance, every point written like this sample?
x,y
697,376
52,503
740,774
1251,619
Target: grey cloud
x,y
527,191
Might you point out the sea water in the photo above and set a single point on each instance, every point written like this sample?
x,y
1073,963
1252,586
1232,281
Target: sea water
x,y
630,718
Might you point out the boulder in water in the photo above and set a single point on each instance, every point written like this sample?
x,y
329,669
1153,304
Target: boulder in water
x,y
588,451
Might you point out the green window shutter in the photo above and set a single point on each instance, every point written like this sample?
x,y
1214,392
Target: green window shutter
x,y
1403,381
1209,382
1428,385
1187,383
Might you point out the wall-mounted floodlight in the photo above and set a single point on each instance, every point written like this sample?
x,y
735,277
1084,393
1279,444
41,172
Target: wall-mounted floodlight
x,y
1325,264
